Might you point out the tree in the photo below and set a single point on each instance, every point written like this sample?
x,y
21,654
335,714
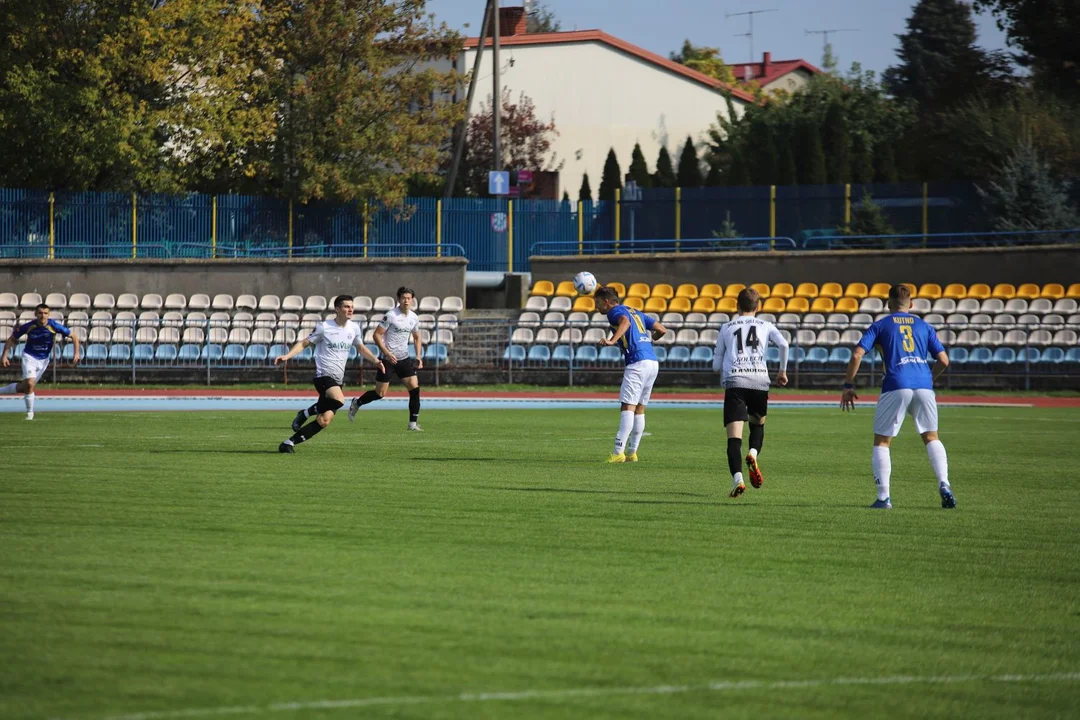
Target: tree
x,y
787,172
665,171
541,20
612,178
727,228
867,219
585,193
565,196
1046,32
715,177
885,170
689,174
763,153
862,159
811,160
525,141
836,144
639,170
828,60
1028,196
706,60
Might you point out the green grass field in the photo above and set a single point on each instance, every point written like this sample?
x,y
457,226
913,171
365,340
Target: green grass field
x,y
174,565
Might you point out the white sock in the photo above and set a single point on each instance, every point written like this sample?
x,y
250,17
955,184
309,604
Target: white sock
x,y
736,479
9,389
29,399
882,471
626,424
753,452
939,460
288,442
635,434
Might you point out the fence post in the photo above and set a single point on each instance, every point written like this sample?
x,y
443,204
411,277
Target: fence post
x,y
510,348
925,212
213,227
52,226
580,227
510,233
290,227
618,217
438,235
365,226
678,218
772,216
847,206
134,227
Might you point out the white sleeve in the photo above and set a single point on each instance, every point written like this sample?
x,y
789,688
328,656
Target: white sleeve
x,y
718,352
358,338
316,335
777,339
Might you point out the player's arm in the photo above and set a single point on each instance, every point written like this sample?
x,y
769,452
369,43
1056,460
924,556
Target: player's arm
x,y
367,354
9,344
379,336
938,351
777,339
658,330
849,396
624,325
296,349
719,352
419,347
78,347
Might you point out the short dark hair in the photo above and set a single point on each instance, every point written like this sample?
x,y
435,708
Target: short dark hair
x,y
606,293
749,299
41,306
341,299
405,291
899,294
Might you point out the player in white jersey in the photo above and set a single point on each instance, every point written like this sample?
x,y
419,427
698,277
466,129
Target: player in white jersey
x,y
397,328
740,355
332,340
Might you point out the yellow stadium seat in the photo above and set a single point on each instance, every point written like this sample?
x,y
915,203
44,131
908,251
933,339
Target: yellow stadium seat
x,y
1028,291
1004,291
783,290
911,288
638,290
662,290
634,302
566,289
832,291
774,305
686,290
979,291
680,304
585,303
807,290
618,287
823,305
656,305
880,291
727,305
1052,291
762,289
859,291
847,305
954,291
929,291
798,305
704,305
733,290
544,288
712,290
1073,292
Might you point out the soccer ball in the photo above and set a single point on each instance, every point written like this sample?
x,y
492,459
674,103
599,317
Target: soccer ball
x,y
584,283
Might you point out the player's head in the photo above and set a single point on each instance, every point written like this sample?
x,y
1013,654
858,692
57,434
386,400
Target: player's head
x,y
748,302
606,298
899,298
406,298
343,304
41,313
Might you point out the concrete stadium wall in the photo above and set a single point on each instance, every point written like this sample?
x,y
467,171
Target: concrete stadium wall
x,y
1042,264
428,276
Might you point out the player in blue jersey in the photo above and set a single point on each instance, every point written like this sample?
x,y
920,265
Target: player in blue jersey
x,y
40,337
634,333
905,342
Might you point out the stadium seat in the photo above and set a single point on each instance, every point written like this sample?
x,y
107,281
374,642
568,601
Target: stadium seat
x,y
453,304
701,355
584,304
672,320
880,291
686,336
566,289
944,306
148,335
858,291
681,304
662,290
537,303
430,304
638,290
1040,306
666,339
100,335
586,354
817,356
798,305
840,355
1073,293
571,336
547,336
593,336
122,335
1015,338
991,338
1053,355
56,301
1065,337
823,305
143,353
382,304
805,338
293,303
1072,355
920,306
929,291
9,301
561,355
813,321
678,355
165,353
79,301
1053,321
561,304
1065,306
175,301
515,353
714,291
656,304
789,320
797,354
828,338
772,354
1004,291
727,305
732,291
699,320
257,353
774,304
246,302
957,321
761,289
119,353
613,354
968,306
522,336
831,290
127,301
618,287
1028,291
529,319
847,305
850,337
270,303
981,356
1040,338
978,292
992,306
782,290
635,303
104,301
97,352
30,300
969,338
871,305
1052,291
687,290
958,355
954,291
836,321
193,319
539,353
151,301
708,336
286,336
1016,306
1004,355
542,288
189,353
234,352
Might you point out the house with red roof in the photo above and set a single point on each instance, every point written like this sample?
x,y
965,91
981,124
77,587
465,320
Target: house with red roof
x,y
774,75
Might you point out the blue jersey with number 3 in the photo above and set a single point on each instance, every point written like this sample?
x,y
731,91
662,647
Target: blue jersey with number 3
x,y
905,342
636,344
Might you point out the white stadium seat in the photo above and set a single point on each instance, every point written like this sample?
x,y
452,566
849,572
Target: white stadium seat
x,y
175,301
194,335
261,336
246,302
9,300
244,320
30,300
536,303
672,320
78,318
292,303
529,319
266,320
968,306
222,301
944,306
199,301
122,335
554,319
992,306
957,321
101,318
432,304
56,301
362,303
79,301
448,321
270,302
850,338
100,334
241,336
828,338
522,336
218,335
169,336
383,303
104,301
578,319
920,306
708,336
968,338
195,319
871,305
151,301
686,336
547,336
560,304
173,318
573,336
315,303
593,336
147,335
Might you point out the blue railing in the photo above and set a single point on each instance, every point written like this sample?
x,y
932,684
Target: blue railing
x,y
611,247
942,240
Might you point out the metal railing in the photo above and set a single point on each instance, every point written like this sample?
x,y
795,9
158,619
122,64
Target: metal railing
x,y
612,247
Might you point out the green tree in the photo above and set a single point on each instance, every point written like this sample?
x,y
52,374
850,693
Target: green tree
x,y
565,196
612,178
727,228
787,172
706,60
828,60
763,154
836,144
689,174
1046,32
862,159
867,219
541,20
1028,196
639,170
885,170
665,171
715,176
811,161
585,192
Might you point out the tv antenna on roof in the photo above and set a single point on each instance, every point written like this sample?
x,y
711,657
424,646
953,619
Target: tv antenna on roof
x,y
750,34
829,32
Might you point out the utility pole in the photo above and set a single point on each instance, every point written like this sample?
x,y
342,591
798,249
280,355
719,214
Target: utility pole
x,y
750,14
497,96
459,145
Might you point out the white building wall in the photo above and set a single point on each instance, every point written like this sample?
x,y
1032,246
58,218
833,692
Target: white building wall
x,y
791,82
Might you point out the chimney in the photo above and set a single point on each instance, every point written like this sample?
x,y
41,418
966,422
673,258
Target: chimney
x,y
765,61
512,21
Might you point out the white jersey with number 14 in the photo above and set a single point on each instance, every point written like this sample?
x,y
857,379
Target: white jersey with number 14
x,y
741,351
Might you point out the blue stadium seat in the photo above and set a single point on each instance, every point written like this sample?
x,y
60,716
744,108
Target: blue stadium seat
x,y
1028,355
353,352
840,355
797,354
372,347
165,353
21,347
256,353
1005,356
437,352
610,353
1073,355
412,350
278,350
515,353
119,353
701,355
772,354
144,353
539,353
97,352
586,354
660,350
234,352
958,355
189,353
561,355
69,351
817,355
678,355
1053,355
981,355
212,352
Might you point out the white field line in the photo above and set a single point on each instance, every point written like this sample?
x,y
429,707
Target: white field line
x,y
586,692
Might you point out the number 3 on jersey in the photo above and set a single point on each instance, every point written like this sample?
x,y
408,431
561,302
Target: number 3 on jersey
x,y
752,339
908,338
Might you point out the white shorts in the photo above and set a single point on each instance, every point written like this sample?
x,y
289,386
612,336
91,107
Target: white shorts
x,y
637,382
893,405
33,368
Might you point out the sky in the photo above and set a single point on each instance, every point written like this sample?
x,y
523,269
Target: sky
x,y
662,25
